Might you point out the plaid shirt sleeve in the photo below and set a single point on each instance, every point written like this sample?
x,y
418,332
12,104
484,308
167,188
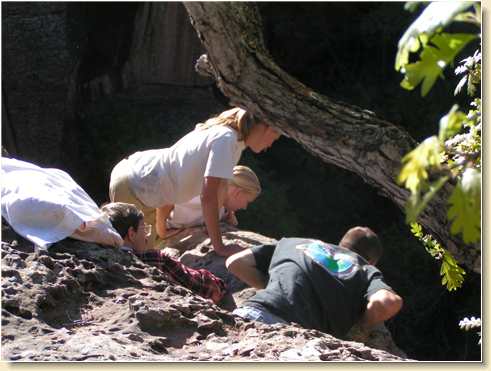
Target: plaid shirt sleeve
x,y
200,281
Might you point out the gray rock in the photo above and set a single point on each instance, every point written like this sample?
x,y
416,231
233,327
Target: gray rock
x,y
80,301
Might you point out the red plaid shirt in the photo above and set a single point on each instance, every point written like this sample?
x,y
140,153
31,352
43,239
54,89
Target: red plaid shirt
x,y
201,281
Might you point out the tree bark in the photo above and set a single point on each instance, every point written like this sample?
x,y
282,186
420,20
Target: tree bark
x,y
37,65
339,133
164,46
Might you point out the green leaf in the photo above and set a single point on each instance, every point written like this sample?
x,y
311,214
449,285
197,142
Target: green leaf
x,y
414,171
426,71
433,60
452,274
451,123
417,204
464,17
412,6
465,206
477,11
436,16
417,230
471,184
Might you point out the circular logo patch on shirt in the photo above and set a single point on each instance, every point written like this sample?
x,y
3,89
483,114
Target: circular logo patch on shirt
x,y
336,262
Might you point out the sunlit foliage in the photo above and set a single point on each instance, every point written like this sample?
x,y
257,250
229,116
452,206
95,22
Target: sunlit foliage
x,y
454,155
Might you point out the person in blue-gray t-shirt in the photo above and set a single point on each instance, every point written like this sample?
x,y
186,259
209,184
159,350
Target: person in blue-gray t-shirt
x,y
316,284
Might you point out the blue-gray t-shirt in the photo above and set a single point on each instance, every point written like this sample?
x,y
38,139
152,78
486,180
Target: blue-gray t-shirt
x,y
315,284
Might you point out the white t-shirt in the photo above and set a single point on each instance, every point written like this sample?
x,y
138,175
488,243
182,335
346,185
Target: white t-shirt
x,y
175,175
189,214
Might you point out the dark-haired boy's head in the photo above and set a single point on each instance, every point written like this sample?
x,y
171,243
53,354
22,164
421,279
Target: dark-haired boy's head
x,y
364,242
127,219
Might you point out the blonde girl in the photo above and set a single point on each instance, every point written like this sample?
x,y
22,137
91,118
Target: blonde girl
x,y
199,164
242,189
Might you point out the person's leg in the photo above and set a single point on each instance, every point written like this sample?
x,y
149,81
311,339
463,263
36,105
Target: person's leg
x,y
257,314
200,281
120,191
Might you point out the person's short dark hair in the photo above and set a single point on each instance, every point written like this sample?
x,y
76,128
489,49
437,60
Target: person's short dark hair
x,y
123,216
364,242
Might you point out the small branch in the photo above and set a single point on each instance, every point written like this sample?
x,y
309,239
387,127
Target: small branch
x,y
204,67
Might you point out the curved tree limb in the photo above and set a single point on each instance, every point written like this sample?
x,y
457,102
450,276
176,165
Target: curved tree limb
x,y
339,133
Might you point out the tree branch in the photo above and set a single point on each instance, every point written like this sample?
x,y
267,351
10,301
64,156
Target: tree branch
x,y
340,134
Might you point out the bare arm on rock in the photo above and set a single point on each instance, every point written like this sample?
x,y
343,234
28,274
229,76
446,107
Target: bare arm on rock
x,y
210,204
243,266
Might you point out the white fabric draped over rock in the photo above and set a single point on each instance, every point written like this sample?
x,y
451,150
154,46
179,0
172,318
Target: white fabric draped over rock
x,y
46,206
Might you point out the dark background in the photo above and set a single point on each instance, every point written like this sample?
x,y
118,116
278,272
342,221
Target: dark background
x,y
73,98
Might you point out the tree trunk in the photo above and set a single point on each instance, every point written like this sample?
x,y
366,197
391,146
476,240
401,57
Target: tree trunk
x,y
37,65
339,133
164,47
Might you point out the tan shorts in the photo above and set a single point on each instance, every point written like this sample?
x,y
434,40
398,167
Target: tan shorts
x,y
120,191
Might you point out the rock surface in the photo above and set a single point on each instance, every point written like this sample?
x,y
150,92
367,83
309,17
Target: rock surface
x,y
78,301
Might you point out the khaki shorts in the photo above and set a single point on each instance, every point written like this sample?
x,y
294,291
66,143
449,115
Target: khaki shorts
x,y
120,191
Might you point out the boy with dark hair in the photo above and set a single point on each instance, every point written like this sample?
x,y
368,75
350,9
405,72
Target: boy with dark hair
x,y
315,284
123,216
127,219
364,242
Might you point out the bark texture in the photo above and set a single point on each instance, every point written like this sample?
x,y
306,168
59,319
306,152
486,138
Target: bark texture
x,y
36,59
164,47
339,133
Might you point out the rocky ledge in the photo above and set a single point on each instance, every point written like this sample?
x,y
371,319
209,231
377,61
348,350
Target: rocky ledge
x,y
78,301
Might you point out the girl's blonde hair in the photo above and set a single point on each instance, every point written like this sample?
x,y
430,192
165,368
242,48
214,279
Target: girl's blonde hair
x,y
237,118
245,179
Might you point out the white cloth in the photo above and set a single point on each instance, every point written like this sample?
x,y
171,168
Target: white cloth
x,y
189,214
175,175
46,206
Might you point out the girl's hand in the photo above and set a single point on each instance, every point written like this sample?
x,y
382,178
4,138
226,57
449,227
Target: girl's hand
x,y
161,215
